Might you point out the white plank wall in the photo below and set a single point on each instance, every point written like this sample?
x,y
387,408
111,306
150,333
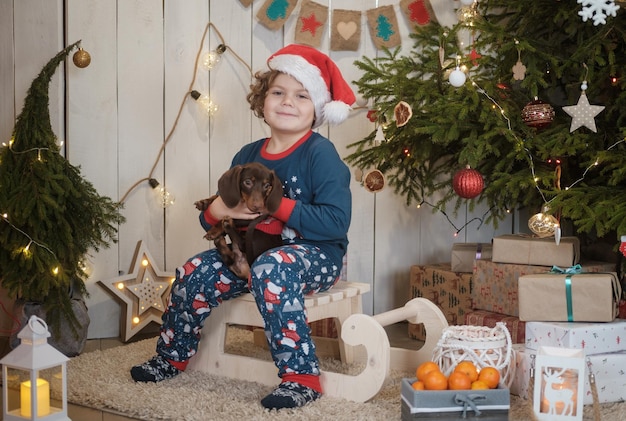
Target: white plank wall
x,y
121,109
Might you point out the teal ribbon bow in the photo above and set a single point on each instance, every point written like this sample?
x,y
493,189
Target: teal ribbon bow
x,y
469,400
572,270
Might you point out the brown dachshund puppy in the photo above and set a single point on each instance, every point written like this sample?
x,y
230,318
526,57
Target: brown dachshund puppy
x,y
262,191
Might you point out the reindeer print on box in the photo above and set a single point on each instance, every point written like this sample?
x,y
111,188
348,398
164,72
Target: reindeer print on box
x,y
559,384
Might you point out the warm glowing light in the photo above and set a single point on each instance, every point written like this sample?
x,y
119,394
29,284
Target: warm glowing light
x,y
144,262
43,398
210,59
55,270
120,285
135,320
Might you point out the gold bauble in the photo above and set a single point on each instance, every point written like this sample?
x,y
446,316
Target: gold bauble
x,y
81,58
543,224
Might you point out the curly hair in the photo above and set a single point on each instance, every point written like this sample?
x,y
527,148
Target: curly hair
x,y
259,89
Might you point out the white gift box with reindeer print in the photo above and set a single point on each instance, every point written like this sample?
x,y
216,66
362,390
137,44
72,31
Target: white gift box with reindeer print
x,y
559,384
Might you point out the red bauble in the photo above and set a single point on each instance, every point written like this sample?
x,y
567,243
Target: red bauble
x,y
468,183
538,114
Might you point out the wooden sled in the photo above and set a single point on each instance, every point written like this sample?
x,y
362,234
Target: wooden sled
x,y
343,302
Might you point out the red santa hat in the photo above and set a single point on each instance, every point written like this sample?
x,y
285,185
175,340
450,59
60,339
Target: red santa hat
x,y
320,76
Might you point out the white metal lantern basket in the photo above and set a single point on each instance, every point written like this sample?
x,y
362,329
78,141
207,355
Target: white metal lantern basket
x,y
484,346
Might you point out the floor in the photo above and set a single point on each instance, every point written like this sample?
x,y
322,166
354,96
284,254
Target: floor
x,y
397,333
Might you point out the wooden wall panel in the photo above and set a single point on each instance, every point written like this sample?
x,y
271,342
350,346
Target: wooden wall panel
x,y
93,138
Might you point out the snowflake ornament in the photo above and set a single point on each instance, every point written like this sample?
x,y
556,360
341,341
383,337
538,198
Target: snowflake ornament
x,y
597,10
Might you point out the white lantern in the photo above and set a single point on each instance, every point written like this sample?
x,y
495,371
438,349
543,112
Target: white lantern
x,y
559,384
34,377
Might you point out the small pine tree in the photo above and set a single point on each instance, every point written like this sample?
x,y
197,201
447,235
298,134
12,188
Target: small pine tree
x,y
51,216
480,123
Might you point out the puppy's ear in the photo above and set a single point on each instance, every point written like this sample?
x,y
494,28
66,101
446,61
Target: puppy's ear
x,y
228,186
273,200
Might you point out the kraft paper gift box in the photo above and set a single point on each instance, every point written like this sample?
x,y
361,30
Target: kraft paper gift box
x,y
584,297
593,338
495,285
608,371
450,291
516,327
464,255
536,251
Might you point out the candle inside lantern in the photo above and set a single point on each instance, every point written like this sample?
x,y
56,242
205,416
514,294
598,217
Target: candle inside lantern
x,y
43,398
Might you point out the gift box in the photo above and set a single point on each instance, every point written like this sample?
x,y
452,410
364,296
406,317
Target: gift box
x,y
325,328
608,371
593,338
495,285
464,255
450,291
487,318
491,404
536,251
583,297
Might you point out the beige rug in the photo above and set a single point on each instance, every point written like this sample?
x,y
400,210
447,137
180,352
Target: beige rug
x,y
101,380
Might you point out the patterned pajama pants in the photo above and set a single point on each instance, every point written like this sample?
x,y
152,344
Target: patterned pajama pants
x,y
280,279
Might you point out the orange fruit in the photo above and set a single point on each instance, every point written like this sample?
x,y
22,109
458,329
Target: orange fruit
x,y
424,368
418,385
479,385
435,380
459,381
490,375
468,368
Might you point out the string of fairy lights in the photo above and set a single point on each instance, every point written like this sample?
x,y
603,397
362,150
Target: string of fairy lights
x,y
544,223
205,60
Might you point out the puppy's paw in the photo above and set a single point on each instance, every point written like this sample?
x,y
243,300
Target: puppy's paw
x,y
228,223
204,204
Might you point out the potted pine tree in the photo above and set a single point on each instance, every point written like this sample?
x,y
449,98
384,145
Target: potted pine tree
x,y
50,219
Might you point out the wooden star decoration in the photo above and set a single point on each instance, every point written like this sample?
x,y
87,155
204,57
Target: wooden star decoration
x,y
143,293
583,114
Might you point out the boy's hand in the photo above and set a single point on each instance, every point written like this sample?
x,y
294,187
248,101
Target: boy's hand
x,y
219,210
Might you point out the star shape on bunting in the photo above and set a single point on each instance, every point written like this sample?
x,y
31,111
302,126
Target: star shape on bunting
x,y
583,114
310,24
143,293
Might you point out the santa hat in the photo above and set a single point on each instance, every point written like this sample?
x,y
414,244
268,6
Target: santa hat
x,y
320,76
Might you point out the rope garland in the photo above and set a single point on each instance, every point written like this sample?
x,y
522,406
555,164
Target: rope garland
x,y
182,104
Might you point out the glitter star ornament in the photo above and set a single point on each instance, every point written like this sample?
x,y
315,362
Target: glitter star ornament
x,y
583,113
143,293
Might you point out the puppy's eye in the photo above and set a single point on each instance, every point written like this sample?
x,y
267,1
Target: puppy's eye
x,y
267,186
248,182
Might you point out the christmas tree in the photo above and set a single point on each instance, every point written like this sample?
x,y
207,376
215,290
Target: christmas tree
x,y
51,216
524,63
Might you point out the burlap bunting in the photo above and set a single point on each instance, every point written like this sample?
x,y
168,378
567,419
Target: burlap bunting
x,y
383,27
274,13
417,12
311,23
345,34
345,28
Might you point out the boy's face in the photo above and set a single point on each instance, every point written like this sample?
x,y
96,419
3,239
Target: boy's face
x,y
288,106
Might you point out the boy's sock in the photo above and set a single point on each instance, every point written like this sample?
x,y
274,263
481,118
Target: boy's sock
x,y
154,370
293,394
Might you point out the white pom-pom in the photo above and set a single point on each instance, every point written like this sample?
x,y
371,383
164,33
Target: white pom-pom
x,y
336,112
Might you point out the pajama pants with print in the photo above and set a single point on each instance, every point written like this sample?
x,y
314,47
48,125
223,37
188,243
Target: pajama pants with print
x,y
280,279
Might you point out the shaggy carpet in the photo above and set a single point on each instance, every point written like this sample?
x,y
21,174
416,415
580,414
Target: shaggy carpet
x,y
101,380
